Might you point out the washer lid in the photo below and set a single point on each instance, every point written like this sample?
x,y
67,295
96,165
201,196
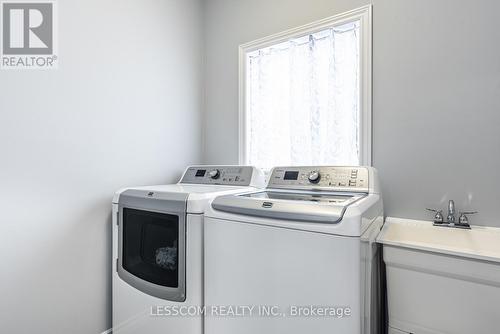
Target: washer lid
x,y
314,207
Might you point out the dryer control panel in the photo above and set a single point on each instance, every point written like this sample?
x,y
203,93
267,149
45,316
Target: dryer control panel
x,y
331,177
221,175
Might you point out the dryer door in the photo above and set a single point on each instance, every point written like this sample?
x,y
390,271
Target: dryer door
x,y
151,250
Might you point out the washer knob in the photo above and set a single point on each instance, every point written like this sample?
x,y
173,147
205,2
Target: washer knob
x,y
314,177
214,174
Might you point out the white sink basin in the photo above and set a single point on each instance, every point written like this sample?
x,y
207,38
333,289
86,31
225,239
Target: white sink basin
x,y
479,242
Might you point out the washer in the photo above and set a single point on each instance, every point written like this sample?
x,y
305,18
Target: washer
x,y
305,244
158,249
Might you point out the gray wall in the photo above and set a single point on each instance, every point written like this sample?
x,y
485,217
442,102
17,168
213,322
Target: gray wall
x,y
436,83
126,95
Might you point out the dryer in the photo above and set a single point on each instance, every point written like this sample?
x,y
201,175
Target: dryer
x,y
300,253
158,249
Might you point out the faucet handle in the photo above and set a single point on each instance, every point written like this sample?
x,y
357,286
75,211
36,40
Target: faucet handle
x,y
433,210
438,217
463,220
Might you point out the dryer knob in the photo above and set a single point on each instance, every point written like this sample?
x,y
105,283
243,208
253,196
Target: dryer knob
x,y
214,174
314,177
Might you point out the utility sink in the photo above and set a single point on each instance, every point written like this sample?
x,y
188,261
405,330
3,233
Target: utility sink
x,y
441,280
478,242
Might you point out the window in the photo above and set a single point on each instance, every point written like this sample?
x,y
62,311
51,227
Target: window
x,y
305,94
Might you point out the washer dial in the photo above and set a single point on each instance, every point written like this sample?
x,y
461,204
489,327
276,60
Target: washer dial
x,y
314,177
214,174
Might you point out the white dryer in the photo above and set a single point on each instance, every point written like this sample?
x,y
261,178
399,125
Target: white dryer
x,y
158,249
297,257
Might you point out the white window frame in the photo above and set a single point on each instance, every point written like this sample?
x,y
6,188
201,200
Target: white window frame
x,y
364,15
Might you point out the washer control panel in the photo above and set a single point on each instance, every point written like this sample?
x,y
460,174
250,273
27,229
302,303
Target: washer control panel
x,y
345,178
222,175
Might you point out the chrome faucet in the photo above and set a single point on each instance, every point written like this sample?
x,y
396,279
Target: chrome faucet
x,y
463,221
451,212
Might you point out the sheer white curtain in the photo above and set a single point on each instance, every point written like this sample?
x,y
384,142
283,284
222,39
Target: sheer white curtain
x,y
303,100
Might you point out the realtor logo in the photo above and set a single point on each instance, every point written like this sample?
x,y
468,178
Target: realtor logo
x,y
28,31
